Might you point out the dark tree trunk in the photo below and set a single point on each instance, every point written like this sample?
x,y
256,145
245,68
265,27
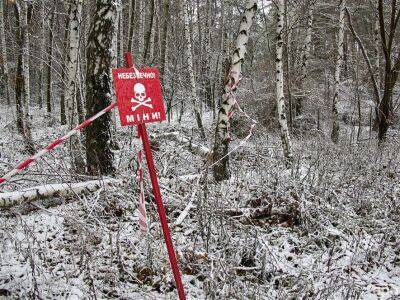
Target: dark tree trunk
x,y
22,121
49,64
98,82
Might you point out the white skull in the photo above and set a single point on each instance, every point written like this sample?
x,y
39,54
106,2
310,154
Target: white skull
x,y
140,92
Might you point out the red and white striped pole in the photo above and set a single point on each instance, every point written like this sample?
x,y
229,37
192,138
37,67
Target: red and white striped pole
x,y
23,165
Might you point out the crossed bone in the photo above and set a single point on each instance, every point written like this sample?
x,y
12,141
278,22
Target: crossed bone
x,y
141,103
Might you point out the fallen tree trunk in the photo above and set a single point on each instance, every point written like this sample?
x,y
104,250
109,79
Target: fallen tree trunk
x,y
53,190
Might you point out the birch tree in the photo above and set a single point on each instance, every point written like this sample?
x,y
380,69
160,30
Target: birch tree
x,y
72,62
193,86
98,84
75,15
4,55
222,137
305,57
280,97
25,55
339,63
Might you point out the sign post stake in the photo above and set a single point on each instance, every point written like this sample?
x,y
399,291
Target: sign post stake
x,y
157,196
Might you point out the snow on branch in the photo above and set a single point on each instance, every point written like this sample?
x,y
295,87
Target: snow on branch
x,y
192,147
50,190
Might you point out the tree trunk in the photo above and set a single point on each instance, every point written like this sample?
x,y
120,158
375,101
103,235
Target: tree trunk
x,y
149,32
377,44
98,83
304,59
392,68
25,56
22,121
75,15
50,64
4,56
339,63
280,97
164,40
140,17
131,27
42,53
288,37
222,138
193,86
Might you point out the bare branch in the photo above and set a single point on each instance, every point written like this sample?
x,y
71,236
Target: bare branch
x,y
366,58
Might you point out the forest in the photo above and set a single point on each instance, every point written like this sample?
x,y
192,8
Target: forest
x,y
199,149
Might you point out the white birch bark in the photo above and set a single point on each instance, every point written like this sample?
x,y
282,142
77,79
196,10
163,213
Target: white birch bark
x,y
305,56
339,63
72,84
4,55
72,63
193,85
280,97
50,190
25,58
222,138
42,54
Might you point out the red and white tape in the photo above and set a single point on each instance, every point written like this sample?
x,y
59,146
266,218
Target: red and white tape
x,y
142,204
19,168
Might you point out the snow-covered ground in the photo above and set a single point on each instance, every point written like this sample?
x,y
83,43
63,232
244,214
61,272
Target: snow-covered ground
x,y
325,229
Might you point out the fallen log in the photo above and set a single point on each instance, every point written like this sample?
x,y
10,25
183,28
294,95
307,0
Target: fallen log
x,y
53,190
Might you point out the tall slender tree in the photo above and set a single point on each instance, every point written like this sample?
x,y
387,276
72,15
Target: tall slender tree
x,y
26,16
22,119
193,85
4,55
305,57
280,97
339,63
75,15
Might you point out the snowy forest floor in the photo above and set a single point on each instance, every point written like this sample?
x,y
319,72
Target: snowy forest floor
x,y
325,229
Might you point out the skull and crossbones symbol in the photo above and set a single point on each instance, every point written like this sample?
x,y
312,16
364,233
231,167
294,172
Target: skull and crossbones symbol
x,y
140,97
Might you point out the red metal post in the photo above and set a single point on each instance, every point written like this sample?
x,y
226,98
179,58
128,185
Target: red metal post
x,y
157,196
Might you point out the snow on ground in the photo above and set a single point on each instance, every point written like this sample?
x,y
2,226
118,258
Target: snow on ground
x,y
325,229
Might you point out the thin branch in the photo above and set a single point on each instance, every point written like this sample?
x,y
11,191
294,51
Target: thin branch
x,y
365,55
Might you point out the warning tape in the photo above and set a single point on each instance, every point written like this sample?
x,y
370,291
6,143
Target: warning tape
x,y
19,168
142,201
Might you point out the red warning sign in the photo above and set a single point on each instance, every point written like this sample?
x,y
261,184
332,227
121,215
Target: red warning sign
x,y
139,96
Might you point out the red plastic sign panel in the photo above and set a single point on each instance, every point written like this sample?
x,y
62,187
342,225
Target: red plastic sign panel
x,y
139,96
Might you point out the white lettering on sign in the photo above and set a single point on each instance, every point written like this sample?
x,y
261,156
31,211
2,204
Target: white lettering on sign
x,y
139,75
154,116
